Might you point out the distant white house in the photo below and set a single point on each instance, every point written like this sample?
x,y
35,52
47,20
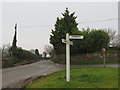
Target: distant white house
x,y
47,55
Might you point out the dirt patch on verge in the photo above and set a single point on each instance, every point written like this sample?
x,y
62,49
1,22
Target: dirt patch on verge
x,y
22,83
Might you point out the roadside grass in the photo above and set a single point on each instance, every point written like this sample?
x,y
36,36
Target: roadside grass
x,y
24,62
82,77
84,63
7,63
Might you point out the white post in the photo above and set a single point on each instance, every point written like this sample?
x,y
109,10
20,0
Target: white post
x,y
68,43
103,49
67,59
104,58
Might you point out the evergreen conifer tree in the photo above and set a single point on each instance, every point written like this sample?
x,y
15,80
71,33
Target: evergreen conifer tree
x,y
15,39
66,24
13,48
37,52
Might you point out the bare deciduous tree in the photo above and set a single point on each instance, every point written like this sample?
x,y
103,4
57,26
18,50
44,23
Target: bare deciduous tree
x,y
5,48
32,51
116,41
111,33
114,38
44,54
0,52
49,49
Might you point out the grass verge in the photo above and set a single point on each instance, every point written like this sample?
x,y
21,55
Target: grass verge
x,y
83,77
24,62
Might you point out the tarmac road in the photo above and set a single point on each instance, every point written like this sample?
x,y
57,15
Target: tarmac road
x,y
12,76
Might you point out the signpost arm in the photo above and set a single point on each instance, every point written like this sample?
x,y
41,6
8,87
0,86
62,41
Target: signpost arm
x,y
67,59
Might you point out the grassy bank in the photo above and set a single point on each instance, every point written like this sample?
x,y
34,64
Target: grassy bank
x,y
24,62
7,62
84,77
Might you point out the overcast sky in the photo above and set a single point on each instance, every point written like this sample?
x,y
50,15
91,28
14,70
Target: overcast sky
x,y
35,20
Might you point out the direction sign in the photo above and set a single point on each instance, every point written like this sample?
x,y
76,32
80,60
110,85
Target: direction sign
x,y
75,37
70,42
67,42
64,41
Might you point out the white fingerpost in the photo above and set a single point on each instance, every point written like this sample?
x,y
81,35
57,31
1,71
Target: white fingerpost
x,y
67,59
68,43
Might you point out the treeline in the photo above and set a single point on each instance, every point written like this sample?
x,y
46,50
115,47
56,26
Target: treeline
x,y
13,55
20,57
20,54
94,39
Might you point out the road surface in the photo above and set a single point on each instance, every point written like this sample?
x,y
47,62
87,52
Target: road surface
x,y
13,77
16,77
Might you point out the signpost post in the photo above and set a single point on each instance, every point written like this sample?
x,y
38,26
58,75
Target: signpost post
x,y
103,49
68,43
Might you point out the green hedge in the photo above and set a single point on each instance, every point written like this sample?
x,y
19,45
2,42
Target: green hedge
x,y
90,58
